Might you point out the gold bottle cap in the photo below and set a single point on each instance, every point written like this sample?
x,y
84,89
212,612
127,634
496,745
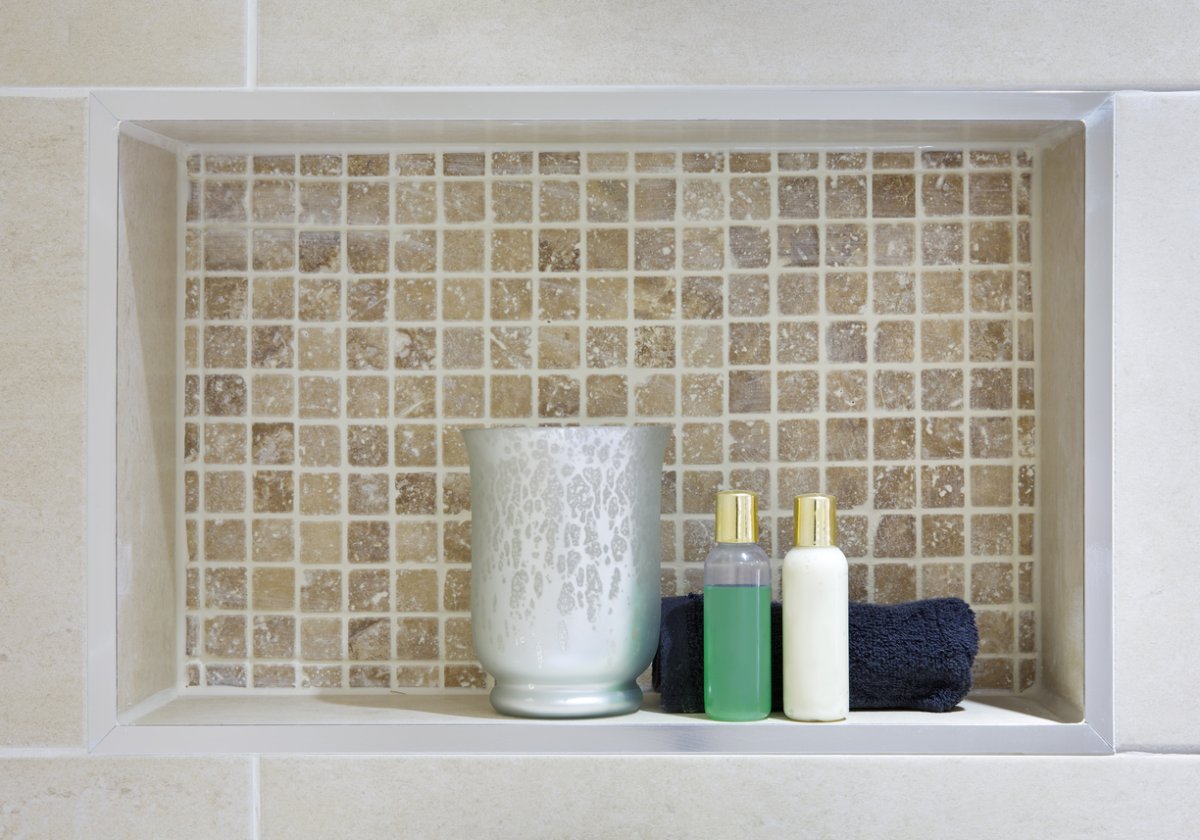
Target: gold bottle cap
x,y
737,517
816,520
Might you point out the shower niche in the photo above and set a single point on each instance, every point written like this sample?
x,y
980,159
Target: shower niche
x,y
298,301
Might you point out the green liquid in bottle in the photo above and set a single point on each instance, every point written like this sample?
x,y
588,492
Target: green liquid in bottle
x,y
737,652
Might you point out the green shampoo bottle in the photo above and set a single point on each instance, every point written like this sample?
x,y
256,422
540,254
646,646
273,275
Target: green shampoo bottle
x,y
737,614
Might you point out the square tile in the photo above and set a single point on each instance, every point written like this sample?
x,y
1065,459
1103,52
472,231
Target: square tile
x,y
894,390
702,298
320,203
798,391
991,193
703,200
894,438
463,201
367,493
512,202
368,590
799,197
367,203
941,438
558,201
845,245
798,342
942,536
274,299
462,250
798,294
275,590
608,200
893,195
749,391
416,251
845,293
512,163
654,249
559,396
511,299
846,342
749,198
510,348
894,341
845,196
511,396
607,249
654,199
942,194
416,590
941,243
750,247
607,396
320,542
462,396
895,244
846,439
849,485
991,242
846,391
367,542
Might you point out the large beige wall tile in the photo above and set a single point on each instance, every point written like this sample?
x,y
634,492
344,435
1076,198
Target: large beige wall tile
x,y
857,42
1157,414
123,42
126,798
42,419
722,796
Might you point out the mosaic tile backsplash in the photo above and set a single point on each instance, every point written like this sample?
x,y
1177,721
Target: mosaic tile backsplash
x,y
850,321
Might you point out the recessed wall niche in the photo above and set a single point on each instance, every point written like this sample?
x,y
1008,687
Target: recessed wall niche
x,y
307,317
859,321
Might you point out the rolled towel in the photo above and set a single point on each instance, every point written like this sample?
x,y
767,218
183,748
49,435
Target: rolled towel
x,y
902,656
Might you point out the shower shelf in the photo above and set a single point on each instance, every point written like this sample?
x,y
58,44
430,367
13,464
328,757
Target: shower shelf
x,y
135,703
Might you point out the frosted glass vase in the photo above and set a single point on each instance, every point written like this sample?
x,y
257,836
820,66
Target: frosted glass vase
x,y
565,557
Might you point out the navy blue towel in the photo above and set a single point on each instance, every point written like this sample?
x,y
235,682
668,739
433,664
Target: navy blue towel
x,y
902,656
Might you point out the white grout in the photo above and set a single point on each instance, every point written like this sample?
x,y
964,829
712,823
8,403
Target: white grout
x,y
45,92
251,44
255,797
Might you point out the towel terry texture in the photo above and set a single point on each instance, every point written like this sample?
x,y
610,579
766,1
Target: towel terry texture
x,y
902,656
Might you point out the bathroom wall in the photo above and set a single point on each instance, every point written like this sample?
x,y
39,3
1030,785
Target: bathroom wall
x,y
48,59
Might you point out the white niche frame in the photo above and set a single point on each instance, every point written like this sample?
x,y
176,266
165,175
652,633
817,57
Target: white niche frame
x,y
162,722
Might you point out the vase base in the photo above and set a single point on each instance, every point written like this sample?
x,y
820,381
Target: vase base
x,y
555,701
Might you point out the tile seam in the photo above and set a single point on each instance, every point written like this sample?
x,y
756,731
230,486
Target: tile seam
x,y
251,56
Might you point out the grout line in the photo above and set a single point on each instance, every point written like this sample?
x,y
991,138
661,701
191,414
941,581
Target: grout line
x,y
45,92
251,44
255,797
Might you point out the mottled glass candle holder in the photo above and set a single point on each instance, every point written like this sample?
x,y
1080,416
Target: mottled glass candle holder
x,y
565,565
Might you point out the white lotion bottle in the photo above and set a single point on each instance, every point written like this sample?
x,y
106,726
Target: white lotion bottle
x,y
816,609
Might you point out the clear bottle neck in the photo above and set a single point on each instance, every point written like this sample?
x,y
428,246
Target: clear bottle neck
x,y
737,564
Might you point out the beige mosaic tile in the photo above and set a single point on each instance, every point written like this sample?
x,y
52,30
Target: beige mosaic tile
x,y
850,321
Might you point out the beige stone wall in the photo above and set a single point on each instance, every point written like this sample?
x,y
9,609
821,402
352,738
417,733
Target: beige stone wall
x,y
68,47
